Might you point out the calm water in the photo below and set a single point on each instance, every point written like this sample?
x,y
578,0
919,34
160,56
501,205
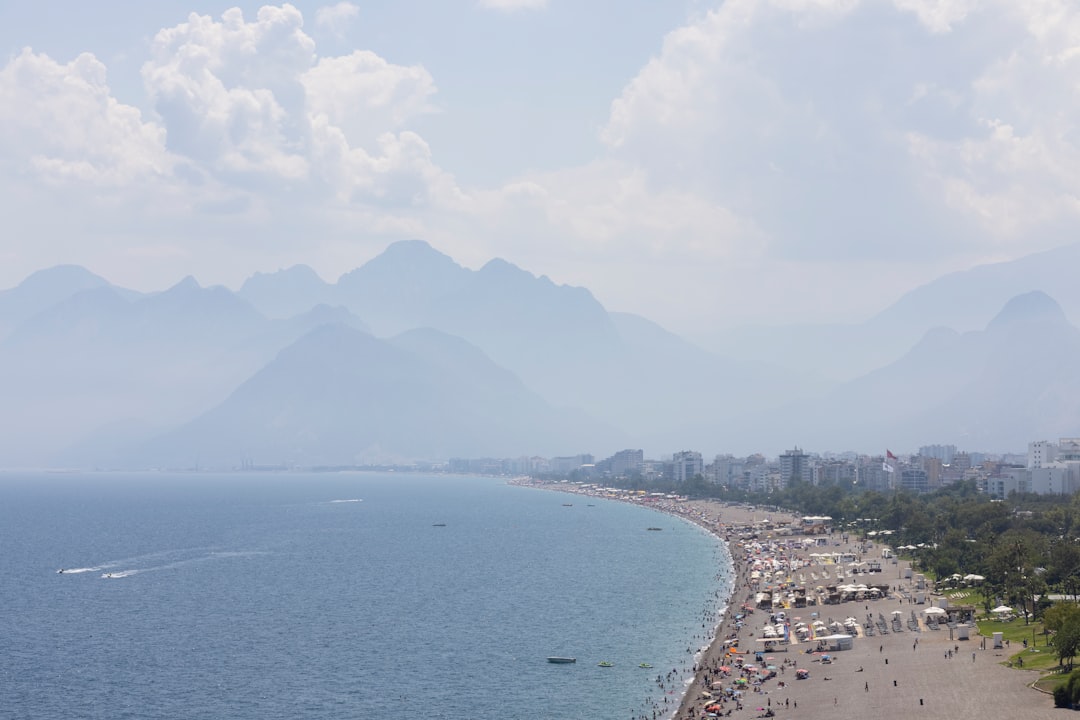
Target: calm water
x,y
336,596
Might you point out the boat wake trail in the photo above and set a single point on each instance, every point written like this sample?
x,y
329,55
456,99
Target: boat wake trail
x,y
115,569
352,500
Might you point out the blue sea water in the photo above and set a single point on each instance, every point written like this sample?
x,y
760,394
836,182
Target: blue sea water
x,y
338,596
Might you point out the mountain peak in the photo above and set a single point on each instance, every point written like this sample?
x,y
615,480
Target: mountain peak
x,y
411,254
188,284
66,276
1031,307
295,275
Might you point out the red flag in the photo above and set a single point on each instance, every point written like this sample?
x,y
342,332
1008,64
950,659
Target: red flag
x,y
889,454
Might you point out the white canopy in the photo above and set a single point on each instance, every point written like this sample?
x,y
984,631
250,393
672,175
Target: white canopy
x,y
1002,609
935,611
974,577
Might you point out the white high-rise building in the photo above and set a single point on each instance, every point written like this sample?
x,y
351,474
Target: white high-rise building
x,y
1041,453
686,464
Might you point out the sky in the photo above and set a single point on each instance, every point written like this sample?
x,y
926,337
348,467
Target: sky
x,y
704,164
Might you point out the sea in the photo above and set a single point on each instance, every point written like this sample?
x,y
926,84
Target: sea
x,y
343,595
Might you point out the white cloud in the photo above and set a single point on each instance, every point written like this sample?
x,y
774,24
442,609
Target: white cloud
x,y
62,125
939,16
336,18
251,103
364,95
513,5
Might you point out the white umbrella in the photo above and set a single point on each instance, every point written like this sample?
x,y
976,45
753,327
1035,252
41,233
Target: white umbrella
x,y
1002,609
934,611
974,578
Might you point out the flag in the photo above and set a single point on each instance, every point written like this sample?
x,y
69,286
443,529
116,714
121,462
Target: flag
x,y
887,467
888,454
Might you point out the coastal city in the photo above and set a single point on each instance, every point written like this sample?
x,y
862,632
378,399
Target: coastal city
x,y
1047,468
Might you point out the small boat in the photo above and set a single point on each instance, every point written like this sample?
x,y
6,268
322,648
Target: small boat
x,y
439,525
561,660
644,665
605,663
568,504
654,528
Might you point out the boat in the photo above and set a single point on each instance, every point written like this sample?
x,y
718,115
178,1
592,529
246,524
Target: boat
x,y
439,525
654,528
644,665
605,663
561,660
568,504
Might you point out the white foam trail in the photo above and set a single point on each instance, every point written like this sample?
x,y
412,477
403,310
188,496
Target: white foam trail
x,y
76,571
217,555
148,556
346,501
121,574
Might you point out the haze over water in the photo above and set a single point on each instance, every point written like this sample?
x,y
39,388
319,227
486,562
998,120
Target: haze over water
x,y
303,595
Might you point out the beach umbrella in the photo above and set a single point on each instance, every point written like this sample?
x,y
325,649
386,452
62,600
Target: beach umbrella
x,y
897,612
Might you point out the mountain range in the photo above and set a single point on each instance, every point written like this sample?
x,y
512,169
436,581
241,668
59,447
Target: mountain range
x,y
414,357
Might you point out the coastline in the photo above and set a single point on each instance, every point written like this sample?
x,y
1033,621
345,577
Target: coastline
x,y
723,521
933,672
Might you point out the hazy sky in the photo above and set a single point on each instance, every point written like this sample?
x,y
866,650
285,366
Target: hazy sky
x,y
702,163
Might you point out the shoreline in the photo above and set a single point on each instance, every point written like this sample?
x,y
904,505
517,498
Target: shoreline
x,y
709,515
890,670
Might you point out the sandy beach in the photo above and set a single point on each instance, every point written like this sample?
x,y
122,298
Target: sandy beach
x,y
911,670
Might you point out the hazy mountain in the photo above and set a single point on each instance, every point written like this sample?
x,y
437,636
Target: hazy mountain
x,y
500,361
98,369
402,287
963,301
340,396
991,389
286,293
41,291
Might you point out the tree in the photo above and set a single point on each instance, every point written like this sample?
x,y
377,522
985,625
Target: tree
x,y
1060,615
1067,642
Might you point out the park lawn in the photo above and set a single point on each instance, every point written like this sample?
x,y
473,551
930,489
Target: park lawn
x,y
1016,632
1039,656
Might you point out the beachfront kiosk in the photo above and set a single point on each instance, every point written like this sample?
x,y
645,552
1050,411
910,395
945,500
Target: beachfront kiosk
x,y
836,642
